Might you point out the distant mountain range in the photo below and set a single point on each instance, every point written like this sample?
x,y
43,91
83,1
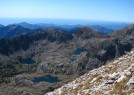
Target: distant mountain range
x,y
29,26
13,31
65,27
24,28
101,29
1,25
114,27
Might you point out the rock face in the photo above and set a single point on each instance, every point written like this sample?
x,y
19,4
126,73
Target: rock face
x,y
115,78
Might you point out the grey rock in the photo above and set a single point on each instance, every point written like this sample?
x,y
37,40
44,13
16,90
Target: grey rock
x,y
109,82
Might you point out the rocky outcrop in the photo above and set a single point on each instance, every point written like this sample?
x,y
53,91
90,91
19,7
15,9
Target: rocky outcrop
x,y
116,77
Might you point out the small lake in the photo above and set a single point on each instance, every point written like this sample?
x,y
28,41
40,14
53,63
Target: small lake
x,y
78,51
48,78
28,61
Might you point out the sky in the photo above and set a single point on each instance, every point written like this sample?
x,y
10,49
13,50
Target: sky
x,y
103,10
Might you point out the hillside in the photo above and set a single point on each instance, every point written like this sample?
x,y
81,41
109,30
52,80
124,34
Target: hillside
x,y
129,30
116,77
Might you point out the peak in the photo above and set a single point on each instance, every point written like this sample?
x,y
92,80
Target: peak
x,y
24,23
85,32
88,30
129,30
130,26
13,26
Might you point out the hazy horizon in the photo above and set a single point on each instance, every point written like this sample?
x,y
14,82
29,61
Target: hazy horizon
x,y
86,10
7,21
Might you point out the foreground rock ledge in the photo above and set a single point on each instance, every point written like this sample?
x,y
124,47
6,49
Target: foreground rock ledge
x,y
116,77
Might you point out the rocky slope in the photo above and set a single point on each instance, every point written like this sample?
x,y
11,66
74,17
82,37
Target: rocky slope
x,y
115,78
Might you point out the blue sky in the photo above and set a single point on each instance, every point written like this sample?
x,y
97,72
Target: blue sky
x,y
104,10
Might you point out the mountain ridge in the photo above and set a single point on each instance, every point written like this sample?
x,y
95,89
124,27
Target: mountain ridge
x,y
67,28
13,30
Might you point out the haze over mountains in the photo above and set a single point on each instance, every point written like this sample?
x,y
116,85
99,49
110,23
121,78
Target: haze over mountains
x,y
1,25
23,28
